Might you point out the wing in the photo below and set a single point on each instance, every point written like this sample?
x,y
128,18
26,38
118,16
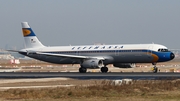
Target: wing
x,y
71,56
61,55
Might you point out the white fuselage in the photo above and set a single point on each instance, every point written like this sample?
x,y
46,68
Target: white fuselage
x,y
125,53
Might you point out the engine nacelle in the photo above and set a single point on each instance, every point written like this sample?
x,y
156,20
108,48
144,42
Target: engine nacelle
x,y
92,63
124,65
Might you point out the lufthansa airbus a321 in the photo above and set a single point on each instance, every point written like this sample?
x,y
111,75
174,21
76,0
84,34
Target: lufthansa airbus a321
x,y
94,56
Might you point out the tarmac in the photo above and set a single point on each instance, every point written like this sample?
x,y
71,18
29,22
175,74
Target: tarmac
x,y
37,74
98,75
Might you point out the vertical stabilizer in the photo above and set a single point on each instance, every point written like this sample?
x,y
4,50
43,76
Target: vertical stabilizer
x,y
31,41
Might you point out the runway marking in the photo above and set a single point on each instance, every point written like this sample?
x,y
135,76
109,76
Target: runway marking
x,y
9,70
31,80
21,87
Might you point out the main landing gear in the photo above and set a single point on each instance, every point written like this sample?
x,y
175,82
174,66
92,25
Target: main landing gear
x,y
155,69
104,69
84,70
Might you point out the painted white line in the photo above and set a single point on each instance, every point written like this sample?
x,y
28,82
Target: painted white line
x,y
21,87
30,80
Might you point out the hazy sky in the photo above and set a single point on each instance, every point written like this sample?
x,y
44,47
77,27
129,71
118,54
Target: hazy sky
x,y
76,22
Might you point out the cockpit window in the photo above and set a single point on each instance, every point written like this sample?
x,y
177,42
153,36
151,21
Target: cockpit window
x,y
163,50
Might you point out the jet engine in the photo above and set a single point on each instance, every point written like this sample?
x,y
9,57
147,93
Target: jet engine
x,y
92,63
124,65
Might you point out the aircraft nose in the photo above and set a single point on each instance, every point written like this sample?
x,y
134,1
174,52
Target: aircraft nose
x,y
172,56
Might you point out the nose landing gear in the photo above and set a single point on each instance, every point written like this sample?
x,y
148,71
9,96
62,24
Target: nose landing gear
x,y
155,69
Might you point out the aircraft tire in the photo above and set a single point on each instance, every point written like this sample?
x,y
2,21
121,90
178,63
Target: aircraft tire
x,y
104,69
155,70
82,70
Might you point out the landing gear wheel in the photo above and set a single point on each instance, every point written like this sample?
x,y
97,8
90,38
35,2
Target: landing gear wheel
x,y
82,70
155,69
104,69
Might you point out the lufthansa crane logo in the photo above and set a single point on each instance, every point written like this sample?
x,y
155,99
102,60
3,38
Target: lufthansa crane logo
x,y
26,32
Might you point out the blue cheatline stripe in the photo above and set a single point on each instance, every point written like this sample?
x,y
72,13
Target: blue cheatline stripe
x,y
97,51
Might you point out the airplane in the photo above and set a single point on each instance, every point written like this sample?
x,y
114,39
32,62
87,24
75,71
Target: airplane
x,y
94,56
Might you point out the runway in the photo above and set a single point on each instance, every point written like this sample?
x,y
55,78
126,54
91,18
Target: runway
x,y
76,75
